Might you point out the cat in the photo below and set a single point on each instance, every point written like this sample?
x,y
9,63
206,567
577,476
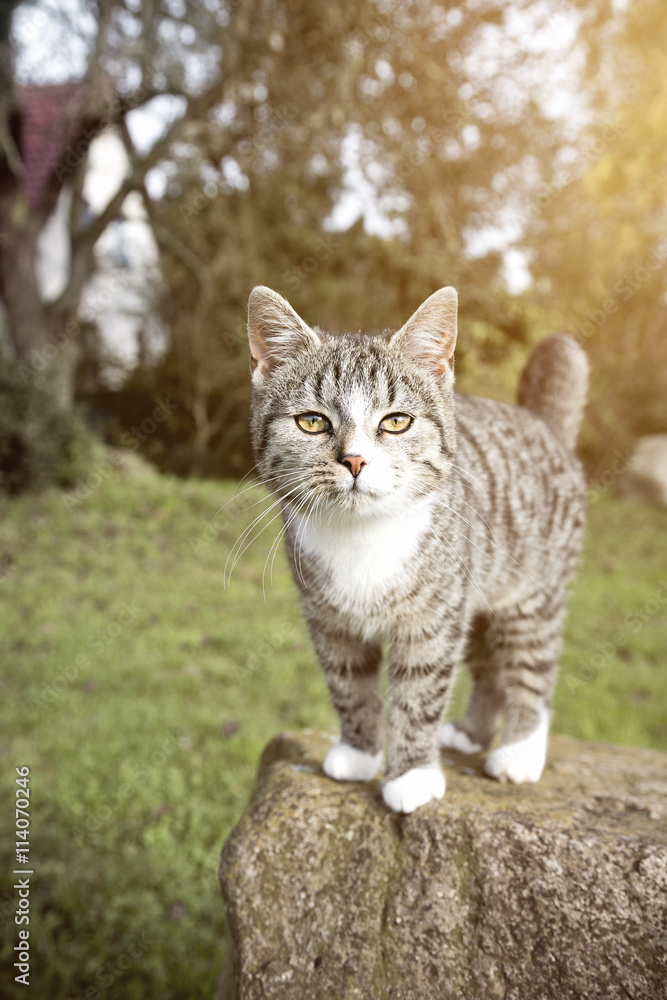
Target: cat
x,y
443,525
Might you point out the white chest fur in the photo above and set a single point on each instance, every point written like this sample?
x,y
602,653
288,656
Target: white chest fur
x,y
363,557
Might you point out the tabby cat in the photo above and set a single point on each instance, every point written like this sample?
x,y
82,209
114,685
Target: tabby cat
x,y
445,526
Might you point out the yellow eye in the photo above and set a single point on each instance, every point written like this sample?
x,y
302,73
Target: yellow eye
x,y
313,423
396,423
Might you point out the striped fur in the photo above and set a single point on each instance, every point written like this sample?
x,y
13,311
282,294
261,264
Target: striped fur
x,y
456,540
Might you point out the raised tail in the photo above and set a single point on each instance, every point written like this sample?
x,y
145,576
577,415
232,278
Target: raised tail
x,y
553,385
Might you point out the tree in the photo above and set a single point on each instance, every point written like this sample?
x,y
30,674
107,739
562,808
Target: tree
x,y
195,54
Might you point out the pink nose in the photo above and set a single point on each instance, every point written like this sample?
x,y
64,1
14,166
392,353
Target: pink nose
x,y
354,463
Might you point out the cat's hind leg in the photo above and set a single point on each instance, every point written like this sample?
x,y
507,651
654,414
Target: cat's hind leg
x,y
476,731
526,643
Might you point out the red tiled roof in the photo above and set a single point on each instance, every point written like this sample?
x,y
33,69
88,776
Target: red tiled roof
x,y
44,133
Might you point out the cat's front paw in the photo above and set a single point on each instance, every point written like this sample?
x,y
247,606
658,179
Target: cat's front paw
x,y
345,763
414,789
452,737
520,762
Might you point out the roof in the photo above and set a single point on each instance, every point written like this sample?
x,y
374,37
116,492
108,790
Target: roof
x,y
43,139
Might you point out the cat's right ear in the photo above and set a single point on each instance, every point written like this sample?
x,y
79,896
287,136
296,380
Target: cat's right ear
x,y
275,332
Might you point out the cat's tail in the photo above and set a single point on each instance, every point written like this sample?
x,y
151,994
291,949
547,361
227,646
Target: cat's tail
x,y
554,384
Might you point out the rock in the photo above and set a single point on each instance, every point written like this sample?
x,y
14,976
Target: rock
x,y
532,892
646,474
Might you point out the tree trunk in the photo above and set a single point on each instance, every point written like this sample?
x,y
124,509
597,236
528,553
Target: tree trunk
x,y
43,337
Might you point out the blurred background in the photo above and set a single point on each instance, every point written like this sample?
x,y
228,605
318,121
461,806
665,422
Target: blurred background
x,y
158,158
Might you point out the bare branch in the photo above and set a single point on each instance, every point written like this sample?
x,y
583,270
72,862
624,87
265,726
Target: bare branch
x,y
166,239
83,244
7,145
77,206
7,92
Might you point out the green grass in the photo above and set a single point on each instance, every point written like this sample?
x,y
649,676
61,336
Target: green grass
x,y
613,678
140,693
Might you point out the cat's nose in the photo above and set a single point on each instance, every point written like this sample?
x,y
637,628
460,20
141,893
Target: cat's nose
x,y
354,463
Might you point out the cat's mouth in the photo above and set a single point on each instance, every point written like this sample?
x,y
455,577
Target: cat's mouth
x,y
360,497
358,488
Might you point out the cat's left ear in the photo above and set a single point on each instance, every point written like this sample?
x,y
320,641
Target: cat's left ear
x,y
429,336
276,332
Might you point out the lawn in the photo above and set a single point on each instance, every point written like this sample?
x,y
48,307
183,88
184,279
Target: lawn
x,y
140,692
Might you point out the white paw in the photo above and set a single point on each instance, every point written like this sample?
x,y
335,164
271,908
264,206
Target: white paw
x,y
413,789
453,738
523,761
344,763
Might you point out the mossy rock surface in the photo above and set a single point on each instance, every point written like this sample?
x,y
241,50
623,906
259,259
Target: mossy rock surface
x,y
556,890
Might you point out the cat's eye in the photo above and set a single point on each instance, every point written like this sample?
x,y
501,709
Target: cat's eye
x,y
396,423
313,423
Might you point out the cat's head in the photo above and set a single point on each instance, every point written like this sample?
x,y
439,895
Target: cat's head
x,y
356,423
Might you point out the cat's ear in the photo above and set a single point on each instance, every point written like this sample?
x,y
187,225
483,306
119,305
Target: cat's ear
x,y
275,332
429,336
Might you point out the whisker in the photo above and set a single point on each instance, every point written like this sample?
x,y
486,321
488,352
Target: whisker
x,y
479,548
295,479
465,472
466,570
277,502
301,532
275,544
301,502
241,539
258,481
274,548
245,548
238,493
247,531
455,496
